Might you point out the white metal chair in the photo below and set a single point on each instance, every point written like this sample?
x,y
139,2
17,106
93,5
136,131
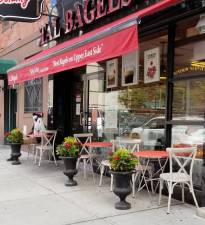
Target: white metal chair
x,y
47,145
182,157
85,153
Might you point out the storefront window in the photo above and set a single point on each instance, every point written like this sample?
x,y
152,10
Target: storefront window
x,y
33,98
189,51
133,107
188,109
188,99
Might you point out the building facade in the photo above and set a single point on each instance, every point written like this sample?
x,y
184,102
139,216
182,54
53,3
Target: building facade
x,y
150,86
19,41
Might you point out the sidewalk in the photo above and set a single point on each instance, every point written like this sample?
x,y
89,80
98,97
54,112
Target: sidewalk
x,y
32,195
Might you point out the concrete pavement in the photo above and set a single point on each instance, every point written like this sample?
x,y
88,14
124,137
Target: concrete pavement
x,y
32,195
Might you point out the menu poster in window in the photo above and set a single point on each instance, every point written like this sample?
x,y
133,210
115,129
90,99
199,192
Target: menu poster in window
x,y
130,68
152,65
112,73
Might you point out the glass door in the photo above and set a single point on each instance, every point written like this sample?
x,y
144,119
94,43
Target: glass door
x,y
92,117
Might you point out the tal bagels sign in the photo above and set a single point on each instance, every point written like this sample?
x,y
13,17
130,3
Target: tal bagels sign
x,y
78,14
21,10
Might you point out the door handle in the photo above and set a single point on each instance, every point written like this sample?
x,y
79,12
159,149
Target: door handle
x,y
81,119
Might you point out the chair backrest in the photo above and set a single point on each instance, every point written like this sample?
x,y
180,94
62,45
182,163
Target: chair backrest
x,y
131,144
48,138
83,138
182,158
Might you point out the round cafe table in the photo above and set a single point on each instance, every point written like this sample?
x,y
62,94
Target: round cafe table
x,y
161,157
98,144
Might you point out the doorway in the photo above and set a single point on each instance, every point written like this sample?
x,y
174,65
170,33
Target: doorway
x,y
67,103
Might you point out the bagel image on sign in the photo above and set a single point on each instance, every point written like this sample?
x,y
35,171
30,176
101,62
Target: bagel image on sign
x,y
21,10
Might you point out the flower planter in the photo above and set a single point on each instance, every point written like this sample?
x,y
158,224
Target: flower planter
x,y
70,170
122,188
15,154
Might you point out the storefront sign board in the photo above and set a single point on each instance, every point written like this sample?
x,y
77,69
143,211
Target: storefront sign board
x,y
21,10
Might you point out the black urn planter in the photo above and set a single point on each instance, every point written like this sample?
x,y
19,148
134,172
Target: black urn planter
x,y
15,154
122,188
70,170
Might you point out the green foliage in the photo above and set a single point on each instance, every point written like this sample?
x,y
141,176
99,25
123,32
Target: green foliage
x,y
122,160
69,148
15,136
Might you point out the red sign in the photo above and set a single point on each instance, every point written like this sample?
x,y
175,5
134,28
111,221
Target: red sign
x,y
112,45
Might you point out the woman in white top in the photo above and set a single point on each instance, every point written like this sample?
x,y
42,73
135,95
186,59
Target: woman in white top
x,y
38,124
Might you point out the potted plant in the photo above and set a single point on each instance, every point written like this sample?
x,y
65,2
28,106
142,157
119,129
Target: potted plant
x,y
122,163
69,151
15,139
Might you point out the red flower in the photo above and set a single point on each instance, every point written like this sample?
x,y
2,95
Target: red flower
x,y
7,134
67,146
117,158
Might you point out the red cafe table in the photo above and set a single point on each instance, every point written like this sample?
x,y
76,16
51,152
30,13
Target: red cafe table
x,y
97,144
161,157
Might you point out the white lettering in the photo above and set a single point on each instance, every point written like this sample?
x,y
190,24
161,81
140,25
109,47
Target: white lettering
x,y
22,3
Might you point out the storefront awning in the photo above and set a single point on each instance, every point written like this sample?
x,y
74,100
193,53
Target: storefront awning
x,y
112,40
5,65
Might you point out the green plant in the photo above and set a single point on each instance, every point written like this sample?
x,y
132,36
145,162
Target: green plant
x,y
122,160
69,148
15,136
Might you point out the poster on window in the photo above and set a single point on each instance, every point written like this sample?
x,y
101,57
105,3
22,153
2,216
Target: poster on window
x,y
152,65
111,111
111,73
130,65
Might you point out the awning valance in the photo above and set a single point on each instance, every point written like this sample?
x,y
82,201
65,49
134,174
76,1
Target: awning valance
x,y
6,64
112,40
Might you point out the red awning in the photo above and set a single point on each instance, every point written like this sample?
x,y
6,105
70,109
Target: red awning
x,y
112,40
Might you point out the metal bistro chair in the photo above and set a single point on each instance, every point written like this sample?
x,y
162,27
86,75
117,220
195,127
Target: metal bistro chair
x,y
47,145
85,155
182,157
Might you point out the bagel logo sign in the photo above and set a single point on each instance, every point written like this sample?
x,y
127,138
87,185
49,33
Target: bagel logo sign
x,y
21,10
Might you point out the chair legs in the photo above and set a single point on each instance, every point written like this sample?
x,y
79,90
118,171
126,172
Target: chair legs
x,y
85,162
170,196
31,148
182,185
102,169
111,184
193,194
39,162
40,156
161,182
54,157
170,187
